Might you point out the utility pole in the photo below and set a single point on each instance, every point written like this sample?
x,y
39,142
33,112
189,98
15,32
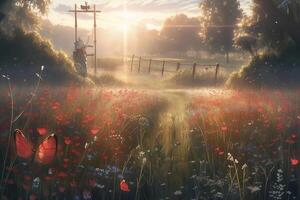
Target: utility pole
x,y
87,9
76,38
95,42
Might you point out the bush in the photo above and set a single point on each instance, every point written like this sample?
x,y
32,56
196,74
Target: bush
x,y
269,70
107,80
22,54
203,78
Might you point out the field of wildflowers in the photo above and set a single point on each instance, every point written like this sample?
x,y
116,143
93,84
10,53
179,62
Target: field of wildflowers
x,y
139,144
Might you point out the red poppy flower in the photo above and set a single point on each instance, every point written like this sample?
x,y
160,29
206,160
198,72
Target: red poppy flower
x,y
294,161
224,128
55,106
62,174
294,136
124,186
67,140
27,178
95,130
42,131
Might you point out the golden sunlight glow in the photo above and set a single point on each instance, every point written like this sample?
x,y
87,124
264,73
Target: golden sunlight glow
x,y
125,17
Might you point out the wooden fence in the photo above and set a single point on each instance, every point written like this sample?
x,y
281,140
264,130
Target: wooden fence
x,y
179,65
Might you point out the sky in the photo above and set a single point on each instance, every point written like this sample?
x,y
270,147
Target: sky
x,y
124,14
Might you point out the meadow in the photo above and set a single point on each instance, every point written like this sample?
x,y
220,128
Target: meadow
x,y
127,143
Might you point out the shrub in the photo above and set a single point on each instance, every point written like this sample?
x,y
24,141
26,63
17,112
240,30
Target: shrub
x,y
22,54
269,70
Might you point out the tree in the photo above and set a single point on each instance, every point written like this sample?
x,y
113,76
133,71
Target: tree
x,y
21,13
276,21
180,33
219,19
275,26
243,39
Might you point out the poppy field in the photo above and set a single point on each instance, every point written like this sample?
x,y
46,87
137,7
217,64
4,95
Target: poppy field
x,y
100,143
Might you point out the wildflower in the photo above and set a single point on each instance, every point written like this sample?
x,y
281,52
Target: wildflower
x,y
95,130
177,193
38,75
124,186
244,166
55,105
100,186
253,189
67,140
294,161
144,160
42,131
36,182
224,128
86,195
230,157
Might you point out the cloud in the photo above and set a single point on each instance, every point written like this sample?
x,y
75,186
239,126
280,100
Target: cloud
x,y
150,5
64,8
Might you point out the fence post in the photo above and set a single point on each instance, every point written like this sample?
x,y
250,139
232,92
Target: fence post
x,y
149,70
216,74
163,68
132,59
194,70
140,64
178,67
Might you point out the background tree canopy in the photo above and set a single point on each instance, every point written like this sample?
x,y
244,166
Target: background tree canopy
x,y
273,30
274,23
21,13
219,20
181,33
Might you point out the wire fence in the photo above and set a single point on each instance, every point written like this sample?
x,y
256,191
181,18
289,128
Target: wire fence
x,y
149,65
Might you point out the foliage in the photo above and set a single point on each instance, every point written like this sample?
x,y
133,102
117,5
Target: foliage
x,y
203,77
247,42
21,14
219,20
180,33
270,31
273,23
269,70
23,53
107,80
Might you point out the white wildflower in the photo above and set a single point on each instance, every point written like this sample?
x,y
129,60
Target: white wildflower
x,y
177,193
244,166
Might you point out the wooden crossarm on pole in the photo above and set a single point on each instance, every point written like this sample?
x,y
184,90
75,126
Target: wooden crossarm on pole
x,y
85,11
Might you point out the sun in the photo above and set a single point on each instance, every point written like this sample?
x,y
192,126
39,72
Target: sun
x,y
125,20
